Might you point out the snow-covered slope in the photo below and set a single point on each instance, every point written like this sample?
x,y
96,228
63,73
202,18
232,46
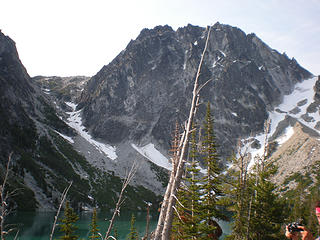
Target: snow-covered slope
x,y
75,121
296,106
150,152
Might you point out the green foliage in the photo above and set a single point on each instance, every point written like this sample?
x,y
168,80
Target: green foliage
x,y
59,159
200,197
268,212
28,163
133,235
259,211
23,137
239,189
52,119
20,192
94,230
212,193
68,226
187,219
105,188
162,174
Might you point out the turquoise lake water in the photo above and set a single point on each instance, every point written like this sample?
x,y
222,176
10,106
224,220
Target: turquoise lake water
x,y
38,225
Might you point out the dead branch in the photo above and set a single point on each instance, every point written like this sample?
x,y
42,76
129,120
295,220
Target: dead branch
x,y
4,211
177,143
175,209
168,211
63,198
146,237
125,183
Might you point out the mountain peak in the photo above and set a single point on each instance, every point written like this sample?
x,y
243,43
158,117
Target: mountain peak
x,y
132,98
158,30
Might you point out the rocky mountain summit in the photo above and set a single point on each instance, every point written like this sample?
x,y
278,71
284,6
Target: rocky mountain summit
x,y
138,96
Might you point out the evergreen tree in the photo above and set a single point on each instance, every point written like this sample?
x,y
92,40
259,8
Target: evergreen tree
x,y
133,235
212,181
187,218
268,209
94,226
239,192
193,181
263,215
68,224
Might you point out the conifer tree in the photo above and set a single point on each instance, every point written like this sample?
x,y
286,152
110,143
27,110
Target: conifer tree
x,y
239,191
68,224
194,190
94,226
263,215
268,209
212,180
133,235
187,218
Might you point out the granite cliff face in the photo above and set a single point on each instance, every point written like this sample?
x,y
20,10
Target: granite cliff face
x,y
17,96
147,87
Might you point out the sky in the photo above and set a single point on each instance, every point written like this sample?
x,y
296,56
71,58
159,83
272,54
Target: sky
x,y
79,37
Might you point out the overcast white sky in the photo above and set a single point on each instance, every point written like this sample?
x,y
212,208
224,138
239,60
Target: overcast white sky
x,y
78,37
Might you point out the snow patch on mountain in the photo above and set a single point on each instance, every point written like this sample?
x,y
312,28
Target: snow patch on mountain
x,y
286,136
150,152
69,139
75,121
299,99
303,93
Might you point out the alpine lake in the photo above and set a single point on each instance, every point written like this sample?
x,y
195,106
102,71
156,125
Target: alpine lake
x,y
38,225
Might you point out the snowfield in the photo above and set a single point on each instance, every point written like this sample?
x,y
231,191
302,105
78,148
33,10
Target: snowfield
x,y
299,99
69,139
75,121
151,153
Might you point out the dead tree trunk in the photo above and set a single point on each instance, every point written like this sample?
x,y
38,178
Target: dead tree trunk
x,y
164,205
116,212
167,213
4,211
63,198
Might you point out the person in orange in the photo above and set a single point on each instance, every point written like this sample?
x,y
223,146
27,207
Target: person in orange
x,y
303,232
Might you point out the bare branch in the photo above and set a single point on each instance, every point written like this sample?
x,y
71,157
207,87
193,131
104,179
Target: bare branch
x,y
179,202
16,236
4,196
63,198
203,85
100,235
125,183
175,209
167,224
112,237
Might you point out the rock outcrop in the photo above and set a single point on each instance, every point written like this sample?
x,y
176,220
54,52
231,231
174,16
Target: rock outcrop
x,y
297,156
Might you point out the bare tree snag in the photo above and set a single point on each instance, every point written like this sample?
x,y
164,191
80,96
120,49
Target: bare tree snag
x,y
167,211
120,201
174,160
4,197
63,198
